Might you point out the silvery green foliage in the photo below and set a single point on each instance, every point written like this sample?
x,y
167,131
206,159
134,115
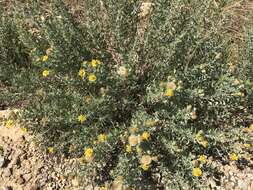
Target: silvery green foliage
x,y
177,42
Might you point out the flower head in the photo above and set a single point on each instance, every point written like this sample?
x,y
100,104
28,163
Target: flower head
x,y
44,58
50,150
196,172
145,167
81,73
95,62
145,136
246,145
146,160
92,78
233,157
171,85
82,118
9,123
45,73
24,129
128,148
169,92
204,143
122,71
251,127
133,140
89,153
102,138
202,158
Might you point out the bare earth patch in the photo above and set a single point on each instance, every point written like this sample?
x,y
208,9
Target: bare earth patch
x,y
24,166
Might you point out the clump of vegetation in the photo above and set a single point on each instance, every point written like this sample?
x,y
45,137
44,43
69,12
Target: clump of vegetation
x,y
138,91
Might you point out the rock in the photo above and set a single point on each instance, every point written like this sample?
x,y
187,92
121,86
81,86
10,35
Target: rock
x,y
7,188
27,177
7,172
230,185
20,180
75,182
2,162
243,185
34,187
251,186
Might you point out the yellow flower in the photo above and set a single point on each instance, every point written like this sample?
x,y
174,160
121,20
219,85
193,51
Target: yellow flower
x,y
251,127
89,153
246,145
82,118
128,148
9,123
146,160
44,58
169,92
199,136
24,129
233,157
92,77
102,138
196,172
45,73
145,136
204,143
133,140
95,62
81,73
145,167
50,150
202,158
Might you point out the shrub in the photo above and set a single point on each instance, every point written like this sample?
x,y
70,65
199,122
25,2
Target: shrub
x,y
138,91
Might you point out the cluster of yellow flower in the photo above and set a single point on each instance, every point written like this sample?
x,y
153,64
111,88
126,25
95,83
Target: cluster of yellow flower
x,y
134,140
196,171
91,77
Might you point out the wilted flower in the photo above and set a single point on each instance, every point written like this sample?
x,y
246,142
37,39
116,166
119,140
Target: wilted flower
x,y
133,140
146,160
171,85
122,71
